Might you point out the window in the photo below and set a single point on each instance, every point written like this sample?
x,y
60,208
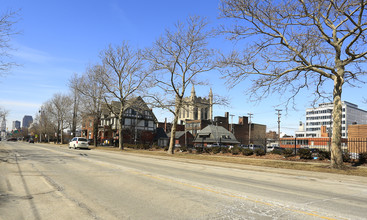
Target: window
x,y
146,123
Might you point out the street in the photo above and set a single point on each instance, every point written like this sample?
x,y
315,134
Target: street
x,y
42,181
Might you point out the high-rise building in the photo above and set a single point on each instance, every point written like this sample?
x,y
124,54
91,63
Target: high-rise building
x,y
322,116
16,125
27,121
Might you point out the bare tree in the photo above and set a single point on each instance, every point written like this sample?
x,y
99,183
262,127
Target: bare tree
x,y
61,110
92,95
44,120
178,58
295,45
3,113
6,32
124,76
75,92
51,122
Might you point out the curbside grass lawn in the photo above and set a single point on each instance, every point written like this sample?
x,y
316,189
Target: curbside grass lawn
x,y
293,163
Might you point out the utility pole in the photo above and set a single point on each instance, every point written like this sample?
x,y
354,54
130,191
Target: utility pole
x,y
278,110
249,129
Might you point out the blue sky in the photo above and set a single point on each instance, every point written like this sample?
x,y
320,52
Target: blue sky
x,y
60,38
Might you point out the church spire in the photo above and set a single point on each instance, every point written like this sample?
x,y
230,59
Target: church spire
x,y
193,94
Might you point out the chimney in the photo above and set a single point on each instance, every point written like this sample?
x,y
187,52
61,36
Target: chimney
x,y
165,125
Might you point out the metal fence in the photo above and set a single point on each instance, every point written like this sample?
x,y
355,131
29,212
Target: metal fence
x,y
353,146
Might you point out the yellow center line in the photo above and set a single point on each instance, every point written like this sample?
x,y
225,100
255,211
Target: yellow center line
x,y
228,194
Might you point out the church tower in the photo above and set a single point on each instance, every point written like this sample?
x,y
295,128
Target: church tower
x,y
196,108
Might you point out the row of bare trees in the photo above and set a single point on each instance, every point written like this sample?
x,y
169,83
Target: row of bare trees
x,y
161,74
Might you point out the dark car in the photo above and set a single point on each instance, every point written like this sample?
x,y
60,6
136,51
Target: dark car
x,y
31,141
12,139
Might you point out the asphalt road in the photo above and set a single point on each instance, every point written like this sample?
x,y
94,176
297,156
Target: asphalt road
x,y
39,181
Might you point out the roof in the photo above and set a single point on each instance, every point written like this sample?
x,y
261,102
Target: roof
x,y
136,103
160,134
178,134
214,134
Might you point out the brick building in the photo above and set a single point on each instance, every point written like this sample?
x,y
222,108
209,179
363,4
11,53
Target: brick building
x,y
357,138
241,130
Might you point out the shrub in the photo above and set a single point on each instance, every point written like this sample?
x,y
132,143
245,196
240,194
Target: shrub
x,y
166,148
183,148
362,158
147,146
216,150
288,152
346,156
236,150
305,154
157,147
247,152
259,152
208,150
277,151
199,150
224,150
324,155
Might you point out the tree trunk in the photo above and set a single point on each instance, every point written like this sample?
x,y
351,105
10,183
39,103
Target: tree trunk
x,y
171,149
336,151
95,130
62,136
121,141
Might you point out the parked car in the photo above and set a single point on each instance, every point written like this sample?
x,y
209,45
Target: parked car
x,y
12,139
216,145
254,147
244,146
78,143
31,141
271,148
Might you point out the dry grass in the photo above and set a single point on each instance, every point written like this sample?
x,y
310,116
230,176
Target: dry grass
x,y
274,161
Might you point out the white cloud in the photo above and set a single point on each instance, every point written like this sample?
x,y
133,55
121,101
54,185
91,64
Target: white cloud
x,y
32,55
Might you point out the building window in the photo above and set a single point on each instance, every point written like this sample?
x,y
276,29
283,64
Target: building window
x,y
146,123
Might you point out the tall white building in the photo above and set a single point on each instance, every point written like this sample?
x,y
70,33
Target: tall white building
x,y
322,116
